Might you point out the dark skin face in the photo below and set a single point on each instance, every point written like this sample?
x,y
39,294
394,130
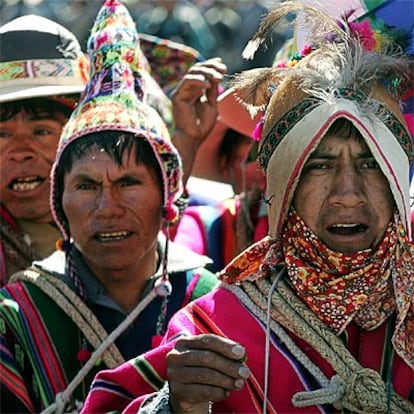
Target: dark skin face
x,y
27,151
343,196
112,211
345,199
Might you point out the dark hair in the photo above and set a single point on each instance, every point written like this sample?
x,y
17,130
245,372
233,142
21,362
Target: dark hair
x,y
115,144
345,128
36,107
232,140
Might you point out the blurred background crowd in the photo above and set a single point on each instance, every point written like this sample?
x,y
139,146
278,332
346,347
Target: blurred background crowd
x,y
213,27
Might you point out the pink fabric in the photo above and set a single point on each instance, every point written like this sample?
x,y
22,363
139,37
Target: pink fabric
x,y
190,232
409,118
216,313
261,229
9,221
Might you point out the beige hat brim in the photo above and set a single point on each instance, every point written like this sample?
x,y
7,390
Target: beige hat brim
x,y
14,93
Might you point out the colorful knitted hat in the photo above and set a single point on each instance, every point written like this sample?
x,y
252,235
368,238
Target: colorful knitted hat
x,y
39,58
344,72
116,99
168,60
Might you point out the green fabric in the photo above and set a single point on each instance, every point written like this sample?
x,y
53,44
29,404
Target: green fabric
x,y
63,331
205,283
371,5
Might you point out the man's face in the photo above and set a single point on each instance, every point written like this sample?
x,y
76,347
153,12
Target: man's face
x,y
27,151
343,196
113,211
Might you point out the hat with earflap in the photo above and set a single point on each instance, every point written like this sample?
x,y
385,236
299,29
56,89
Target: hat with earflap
x,y
346,70
40,58
115,99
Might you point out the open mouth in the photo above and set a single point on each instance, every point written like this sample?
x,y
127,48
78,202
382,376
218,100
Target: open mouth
x,y
113,236
347,229
26,183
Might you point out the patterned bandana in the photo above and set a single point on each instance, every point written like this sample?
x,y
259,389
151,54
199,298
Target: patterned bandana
x,y
338,287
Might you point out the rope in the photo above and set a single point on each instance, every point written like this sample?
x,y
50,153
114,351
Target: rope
x,y
73,307
355,388
87,322
279,331
330,394
62,398
267,343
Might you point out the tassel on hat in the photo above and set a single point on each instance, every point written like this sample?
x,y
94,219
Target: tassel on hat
x,y
116,99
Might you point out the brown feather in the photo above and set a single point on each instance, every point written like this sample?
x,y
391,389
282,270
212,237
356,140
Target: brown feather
x,y
319,20
252,86
338,60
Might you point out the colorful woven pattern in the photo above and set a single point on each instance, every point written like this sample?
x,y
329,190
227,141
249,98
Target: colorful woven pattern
x,y
48,71
115,98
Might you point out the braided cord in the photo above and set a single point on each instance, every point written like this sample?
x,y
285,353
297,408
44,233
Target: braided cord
x,y
354,387
87,322
63,397
73,307
258,310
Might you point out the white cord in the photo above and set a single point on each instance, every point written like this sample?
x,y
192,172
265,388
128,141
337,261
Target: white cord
x,y
267,343
63,397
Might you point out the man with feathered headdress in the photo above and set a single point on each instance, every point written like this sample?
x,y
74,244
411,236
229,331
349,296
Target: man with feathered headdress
x,y
318,316
116,279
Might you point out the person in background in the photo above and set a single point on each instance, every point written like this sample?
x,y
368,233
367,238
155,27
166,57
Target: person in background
x,y
180,21
225,188
109,290
326,298
43,72
231,222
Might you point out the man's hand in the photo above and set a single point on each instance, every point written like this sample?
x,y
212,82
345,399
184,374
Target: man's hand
x,y
194,107
204,368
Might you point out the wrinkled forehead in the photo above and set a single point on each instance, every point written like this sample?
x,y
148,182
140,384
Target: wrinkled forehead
x,y
285,163
342,137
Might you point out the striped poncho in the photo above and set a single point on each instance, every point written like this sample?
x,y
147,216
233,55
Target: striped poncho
x,y
47,333
221,312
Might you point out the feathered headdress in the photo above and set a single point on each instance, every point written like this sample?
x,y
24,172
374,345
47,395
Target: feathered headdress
x,y
343,72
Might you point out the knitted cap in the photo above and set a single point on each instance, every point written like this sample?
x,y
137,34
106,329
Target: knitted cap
x,y
344,72
116,99
38,58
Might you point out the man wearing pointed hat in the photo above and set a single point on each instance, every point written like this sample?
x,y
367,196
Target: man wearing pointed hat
x,y
43,72
109,291
319,315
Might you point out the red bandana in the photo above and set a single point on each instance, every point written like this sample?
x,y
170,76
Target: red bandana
x,y
337,285
341,287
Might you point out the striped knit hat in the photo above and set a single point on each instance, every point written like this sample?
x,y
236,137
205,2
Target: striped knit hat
x,y
116,99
